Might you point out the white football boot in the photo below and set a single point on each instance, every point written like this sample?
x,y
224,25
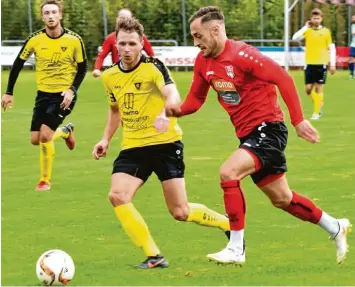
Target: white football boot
x,y
340,239
315,117
228,256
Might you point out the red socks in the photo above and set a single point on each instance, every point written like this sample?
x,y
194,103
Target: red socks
x,y
234,204
304,208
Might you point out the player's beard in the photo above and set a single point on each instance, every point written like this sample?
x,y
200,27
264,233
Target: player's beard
x,y
213,48
53,27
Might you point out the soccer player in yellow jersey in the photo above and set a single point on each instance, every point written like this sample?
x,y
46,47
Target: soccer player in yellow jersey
x,y
138,88
318,47
61,66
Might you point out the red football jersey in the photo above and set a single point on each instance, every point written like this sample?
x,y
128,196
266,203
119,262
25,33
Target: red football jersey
x,y
109,45
244,80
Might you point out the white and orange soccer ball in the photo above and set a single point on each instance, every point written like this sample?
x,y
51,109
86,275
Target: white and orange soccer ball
x,y
55,267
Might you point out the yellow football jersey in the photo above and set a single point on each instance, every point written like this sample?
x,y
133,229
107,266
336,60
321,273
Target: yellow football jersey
x,y
317,46
56,59
137,94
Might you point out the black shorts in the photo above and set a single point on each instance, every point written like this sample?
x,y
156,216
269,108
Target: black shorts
x,y
47,111
165,160
267,142
315,74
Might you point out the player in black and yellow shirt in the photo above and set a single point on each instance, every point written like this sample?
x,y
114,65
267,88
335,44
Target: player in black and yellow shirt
x,y
61,66
138,88
319,52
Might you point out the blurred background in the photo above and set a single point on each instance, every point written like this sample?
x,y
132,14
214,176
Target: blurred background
x,y
261,22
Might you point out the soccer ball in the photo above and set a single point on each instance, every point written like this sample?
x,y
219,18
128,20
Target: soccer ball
x,y
55,267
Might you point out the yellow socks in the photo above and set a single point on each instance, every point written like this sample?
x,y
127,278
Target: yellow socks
x,y
136,228
59,133
46,157
317,102
202,215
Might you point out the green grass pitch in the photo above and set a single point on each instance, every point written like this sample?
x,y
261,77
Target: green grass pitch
x,y
77,217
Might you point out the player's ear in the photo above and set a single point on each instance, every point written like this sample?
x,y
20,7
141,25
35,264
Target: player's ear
x,y
215,29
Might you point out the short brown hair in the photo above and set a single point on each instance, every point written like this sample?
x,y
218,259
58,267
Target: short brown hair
x,y
59,3
207,14
130,25
317,12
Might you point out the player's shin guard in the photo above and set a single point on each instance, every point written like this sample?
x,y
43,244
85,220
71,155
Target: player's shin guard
x,y
46,157
317,102
303,208
136,228
202,215
234,204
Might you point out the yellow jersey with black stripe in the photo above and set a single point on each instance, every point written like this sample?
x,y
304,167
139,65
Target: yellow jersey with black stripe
x,y
56,59
136,92
317,46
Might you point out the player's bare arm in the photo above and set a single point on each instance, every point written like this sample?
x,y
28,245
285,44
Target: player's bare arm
x,y
332,56
172,97
112,124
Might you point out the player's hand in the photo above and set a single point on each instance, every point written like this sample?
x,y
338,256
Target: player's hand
x,y
332,70
306,131
173,110
308,23
96,73
68,98
161,124
100,149
7,100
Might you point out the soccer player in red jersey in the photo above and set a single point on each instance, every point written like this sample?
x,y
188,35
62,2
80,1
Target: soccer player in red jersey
x,y
245,81
109,45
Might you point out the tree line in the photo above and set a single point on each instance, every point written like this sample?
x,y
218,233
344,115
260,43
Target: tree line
x,y
163,19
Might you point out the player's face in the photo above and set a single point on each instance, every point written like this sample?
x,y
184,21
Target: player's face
x,y
203,37
129,47
51,16
316,20
353,19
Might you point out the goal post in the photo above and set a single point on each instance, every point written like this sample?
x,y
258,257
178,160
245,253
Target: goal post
x,y
287,11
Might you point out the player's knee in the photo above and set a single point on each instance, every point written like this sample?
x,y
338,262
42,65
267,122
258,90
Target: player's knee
x,y
180,213
117,197
45,136
227,173
282,201
308,91
35,141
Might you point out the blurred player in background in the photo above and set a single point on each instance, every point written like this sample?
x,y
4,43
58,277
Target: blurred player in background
x,y
352,48
137,88
318,47
109,45
61,66
245,80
